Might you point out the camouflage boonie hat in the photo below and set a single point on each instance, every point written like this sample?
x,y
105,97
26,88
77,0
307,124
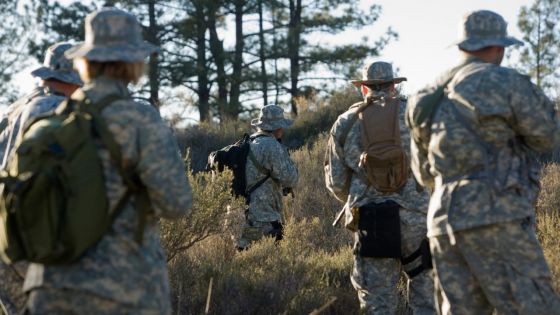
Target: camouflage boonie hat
x,y
57,66
271,118
484,28
112,35
377,73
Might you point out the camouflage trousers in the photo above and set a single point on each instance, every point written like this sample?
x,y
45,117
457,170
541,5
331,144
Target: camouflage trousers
x,y
255,230
50,301
12,296
500,267
376,279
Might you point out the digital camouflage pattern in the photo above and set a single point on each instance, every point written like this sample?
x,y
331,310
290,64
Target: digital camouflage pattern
x,y
487,126
57,66
504,260
266,201
112,35
377,73
376,279
118,268
59,301
484,28
271,118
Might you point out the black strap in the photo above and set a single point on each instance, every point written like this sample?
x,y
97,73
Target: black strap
x,y
422,252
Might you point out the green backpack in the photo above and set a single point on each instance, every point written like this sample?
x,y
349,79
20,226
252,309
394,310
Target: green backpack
x,y
53,202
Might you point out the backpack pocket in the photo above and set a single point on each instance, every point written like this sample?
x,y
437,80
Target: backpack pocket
x,y
387,170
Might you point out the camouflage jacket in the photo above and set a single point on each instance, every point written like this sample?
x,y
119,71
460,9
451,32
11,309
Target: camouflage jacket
x,y
13,119
488,124
118,268
341,167
266,201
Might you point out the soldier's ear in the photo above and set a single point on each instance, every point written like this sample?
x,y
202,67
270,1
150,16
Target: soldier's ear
x,y
365,90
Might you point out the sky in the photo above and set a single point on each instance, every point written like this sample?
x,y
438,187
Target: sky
x,y
427,31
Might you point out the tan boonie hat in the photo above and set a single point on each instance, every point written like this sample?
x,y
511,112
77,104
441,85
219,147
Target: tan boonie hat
x,y
377,73
484,28
112,35
271,118
57,66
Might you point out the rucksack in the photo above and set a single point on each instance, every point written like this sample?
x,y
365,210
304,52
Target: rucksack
x,y
235,157
53,202
383,158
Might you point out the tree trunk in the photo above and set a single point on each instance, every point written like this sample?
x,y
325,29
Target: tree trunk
x,y
203,89
153,72
264,79
217,50
236,79
294,34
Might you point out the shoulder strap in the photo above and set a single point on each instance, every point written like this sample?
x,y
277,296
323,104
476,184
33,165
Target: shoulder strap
x,y
361,106
258,166
128,175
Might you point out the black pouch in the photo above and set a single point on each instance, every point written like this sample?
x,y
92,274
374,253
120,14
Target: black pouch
x,y
379,231
277,230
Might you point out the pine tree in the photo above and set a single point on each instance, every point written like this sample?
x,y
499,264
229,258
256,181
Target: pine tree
x,y
541,34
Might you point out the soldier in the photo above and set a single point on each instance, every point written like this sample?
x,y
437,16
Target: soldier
x,y
58,81
475,151
375,275
270,167
119,274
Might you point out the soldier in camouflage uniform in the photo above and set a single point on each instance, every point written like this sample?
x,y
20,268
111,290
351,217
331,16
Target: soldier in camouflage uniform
x,y
476,154
119,275
376,279
58,81
269,158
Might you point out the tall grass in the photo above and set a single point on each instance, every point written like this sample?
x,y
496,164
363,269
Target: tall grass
x,y
312,265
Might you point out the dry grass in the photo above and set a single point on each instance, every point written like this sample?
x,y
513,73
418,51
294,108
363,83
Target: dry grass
x,y
548,218
312,265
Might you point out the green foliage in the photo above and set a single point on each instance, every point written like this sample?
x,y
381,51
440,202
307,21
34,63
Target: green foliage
x,y
541,33
215,212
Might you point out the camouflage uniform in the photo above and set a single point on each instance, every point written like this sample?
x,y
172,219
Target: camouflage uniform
x,y
265,206
376,279
480,219
118,275
41,100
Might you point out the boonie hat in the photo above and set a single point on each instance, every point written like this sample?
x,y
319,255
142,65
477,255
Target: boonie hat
x,y
271,118
484,28
378,72
112,35
57,66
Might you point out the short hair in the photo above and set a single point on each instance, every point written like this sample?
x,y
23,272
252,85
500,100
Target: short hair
x,y
120,70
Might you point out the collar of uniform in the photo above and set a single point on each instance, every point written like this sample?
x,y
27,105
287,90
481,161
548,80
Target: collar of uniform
x,y
102,86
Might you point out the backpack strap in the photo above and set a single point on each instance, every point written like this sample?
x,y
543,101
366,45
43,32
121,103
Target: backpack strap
x,y
361,107
130,178
258,166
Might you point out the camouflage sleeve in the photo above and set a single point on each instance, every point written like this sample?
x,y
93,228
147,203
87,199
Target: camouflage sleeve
x,y
337,174
535,116
161,169
420,165
283,169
